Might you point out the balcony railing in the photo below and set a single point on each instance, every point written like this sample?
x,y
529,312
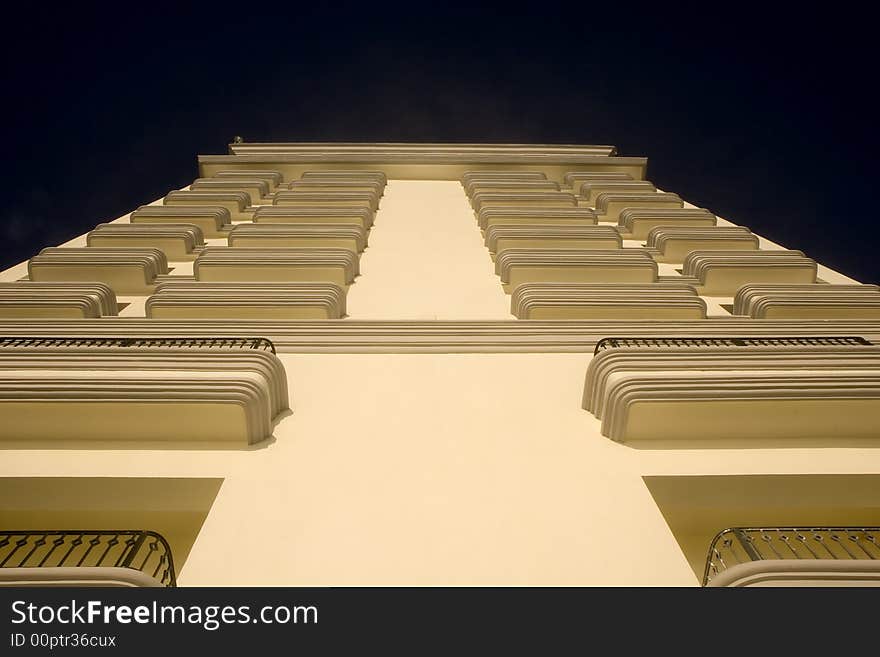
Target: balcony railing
x,y
259,344
715,342
740,545
144,551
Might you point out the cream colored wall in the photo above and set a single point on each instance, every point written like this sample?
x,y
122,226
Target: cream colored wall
x,y
426,259
437,469
434,468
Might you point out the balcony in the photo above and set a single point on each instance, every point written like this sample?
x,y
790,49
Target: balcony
x,y
124,270
236,203
505,186
303,199
127,558
469,178
636,223
60,392
29,299
334,236
674,243
257,190
483,200
224,264
790,556
176,241
808,301
703,510
722,273
237,300
590,189
273,179
266,214
708,389
553,216
606,301
610,205
549,236
576,179
315,185
518,266
213,221
347,174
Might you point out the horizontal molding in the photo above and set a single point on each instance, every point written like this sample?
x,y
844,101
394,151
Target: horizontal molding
x,y
346,174
415,166
374,336
424,149
469,178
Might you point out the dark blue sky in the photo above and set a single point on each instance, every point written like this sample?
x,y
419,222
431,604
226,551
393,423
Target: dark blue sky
x,y
765,117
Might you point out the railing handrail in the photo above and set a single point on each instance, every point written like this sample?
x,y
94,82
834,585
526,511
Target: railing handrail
x,y
256,343
735,341
743,538
131,551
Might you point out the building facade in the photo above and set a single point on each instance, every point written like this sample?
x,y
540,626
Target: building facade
x,y
435,364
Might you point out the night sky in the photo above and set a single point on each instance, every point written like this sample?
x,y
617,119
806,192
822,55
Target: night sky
x,y
766,119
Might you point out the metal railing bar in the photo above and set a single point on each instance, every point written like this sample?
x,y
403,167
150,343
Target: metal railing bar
x,y
24,549
731,341
244,343
805,543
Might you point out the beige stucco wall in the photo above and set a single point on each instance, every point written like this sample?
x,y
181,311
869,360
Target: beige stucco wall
x,y
426,259
435,468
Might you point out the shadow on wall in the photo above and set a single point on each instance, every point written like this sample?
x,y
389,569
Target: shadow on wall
x,y
696,508
174,507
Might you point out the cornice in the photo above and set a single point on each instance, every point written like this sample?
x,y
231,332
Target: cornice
x,y
359,336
